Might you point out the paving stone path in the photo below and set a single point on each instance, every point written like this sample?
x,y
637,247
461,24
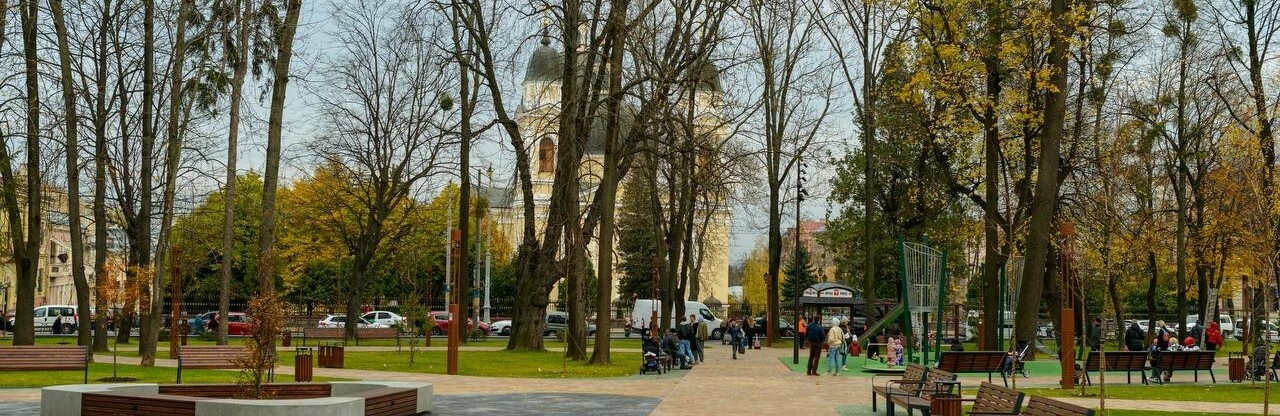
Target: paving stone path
x,y
755,383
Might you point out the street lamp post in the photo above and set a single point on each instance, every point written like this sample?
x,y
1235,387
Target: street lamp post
x,y
796,266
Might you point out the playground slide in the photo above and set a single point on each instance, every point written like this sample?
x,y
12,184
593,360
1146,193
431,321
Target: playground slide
x,y
892,316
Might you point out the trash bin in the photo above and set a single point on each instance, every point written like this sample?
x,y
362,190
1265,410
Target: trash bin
x,y
331,355
1235,367
944,404
302,365
287,338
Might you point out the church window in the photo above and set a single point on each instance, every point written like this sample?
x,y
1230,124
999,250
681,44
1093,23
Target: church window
x,y
546,155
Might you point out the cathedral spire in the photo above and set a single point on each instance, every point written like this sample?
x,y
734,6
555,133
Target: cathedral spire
x,y
546,32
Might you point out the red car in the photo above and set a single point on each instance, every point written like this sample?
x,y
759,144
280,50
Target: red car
x,y
442,324
238,324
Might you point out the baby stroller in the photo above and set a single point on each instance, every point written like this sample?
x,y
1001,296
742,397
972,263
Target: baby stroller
x,y
1014,362
650,361
1257,368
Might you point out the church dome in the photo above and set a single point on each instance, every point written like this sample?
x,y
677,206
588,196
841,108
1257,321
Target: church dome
x,y
708,76
546,64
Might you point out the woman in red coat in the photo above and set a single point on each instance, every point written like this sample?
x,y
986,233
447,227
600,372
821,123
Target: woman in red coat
x,y
1213,337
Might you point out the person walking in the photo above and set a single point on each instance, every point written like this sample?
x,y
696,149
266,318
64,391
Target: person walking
x,y
801,327
835,343
1213,337
1095,335
699,338
815,335
734,336
849,340
749,333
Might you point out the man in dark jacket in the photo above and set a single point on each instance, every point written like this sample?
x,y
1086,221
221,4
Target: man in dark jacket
x,y
816,335
1095,335
1134,338
686,333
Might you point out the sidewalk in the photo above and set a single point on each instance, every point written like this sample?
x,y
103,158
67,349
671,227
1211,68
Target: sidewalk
x,y
756,383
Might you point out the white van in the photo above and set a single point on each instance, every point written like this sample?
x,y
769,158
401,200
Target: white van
x,y
642,312
47,314
1225,324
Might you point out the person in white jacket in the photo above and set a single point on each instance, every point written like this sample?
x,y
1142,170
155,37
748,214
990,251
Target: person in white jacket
x,y
835,347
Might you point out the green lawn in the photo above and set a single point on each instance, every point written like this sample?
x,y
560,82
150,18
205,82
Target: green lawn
x,y
1202,392
103,369
549,364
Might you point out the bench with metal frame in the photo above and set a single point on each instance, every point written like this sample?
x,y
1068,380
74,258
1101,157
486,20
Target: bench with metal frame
x,y
1196,361
974,362
40,358
1127,361
936,383
910,382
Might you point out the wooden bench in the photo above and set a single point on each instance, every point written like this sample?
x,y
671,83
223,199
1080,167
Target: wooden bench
x,y
1127,361
912,379
992,400
136,404
1040,406
37,358
936,382
958,362
340,333
217,357
1186,361
227,391
378,333
389,401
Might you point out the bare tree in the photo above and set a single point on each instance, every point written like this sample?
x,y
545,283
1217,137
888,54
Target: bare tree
x,y
73,170
874,27
236,42
282,36
386,130
26,246
796,99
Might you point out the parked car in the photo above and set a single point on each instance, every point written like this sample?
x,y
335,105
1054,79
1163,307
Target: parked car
x,y
1273,333
237,323
204,319
785,329
384,317
442,324
556,321
340,321
502,327
47,314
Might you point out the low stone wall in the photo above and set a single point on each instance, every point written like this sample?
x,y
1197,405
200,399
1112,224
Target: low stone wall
x,y
66,400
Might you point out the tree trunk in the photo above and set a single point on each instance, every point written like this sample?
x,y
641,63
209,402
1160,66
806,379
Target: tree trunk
x,y
84,333
103,279
27,258
141,237
1151,295
271,175
1046,196
244,20
173,158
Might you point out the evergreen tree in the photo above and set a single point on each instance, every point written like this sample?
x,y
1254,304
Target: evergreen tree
x,y
798,274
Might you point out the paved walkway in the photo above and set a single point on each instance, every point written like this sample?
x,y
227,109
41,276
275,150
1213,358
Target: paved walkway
x,y
756,383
